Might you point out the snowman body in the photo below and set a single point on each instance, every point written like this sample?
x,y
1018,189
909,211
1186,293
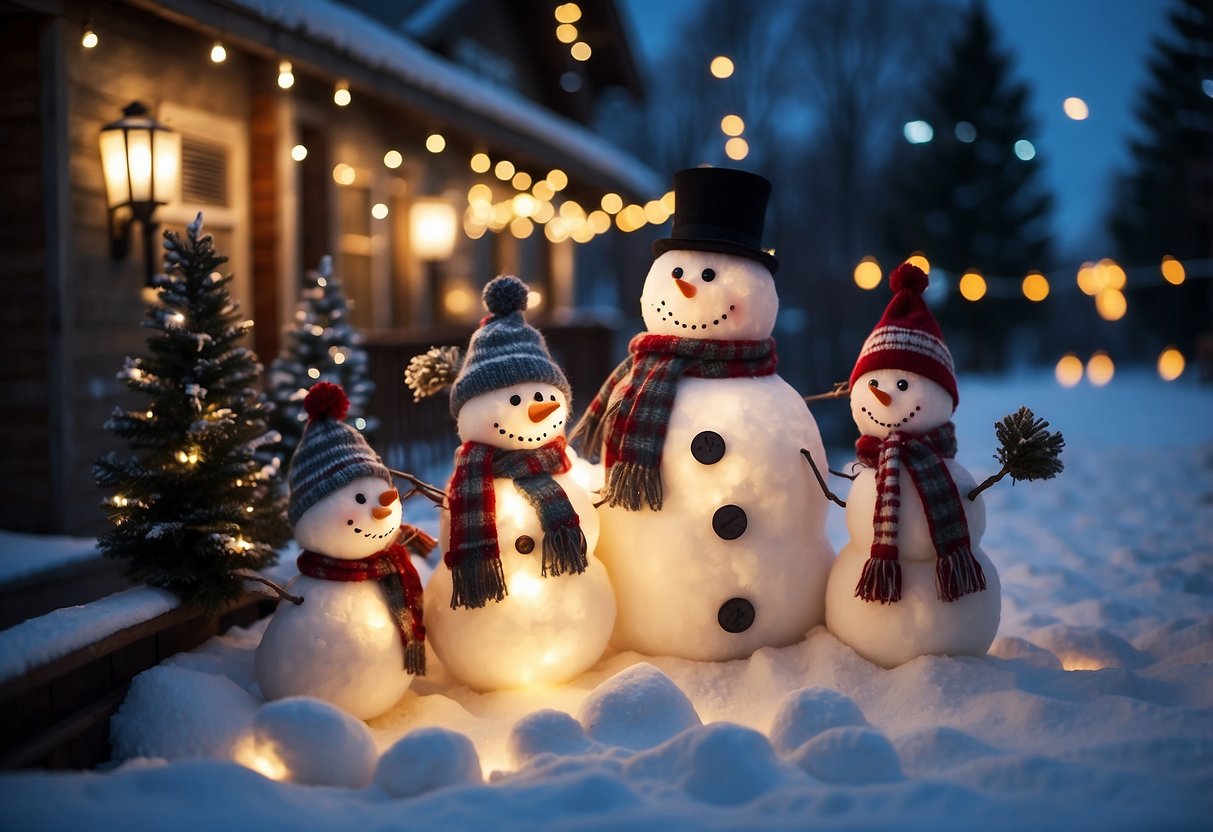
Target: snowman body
x,y
546,629
736,558
341,644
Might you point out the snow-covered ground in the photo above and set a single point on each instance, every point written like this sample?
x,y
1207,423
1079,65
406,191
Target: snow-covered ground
x,y
1093,711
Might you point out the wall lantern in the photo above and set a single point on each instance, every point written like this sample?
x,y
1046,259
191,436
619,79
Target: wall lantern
x,y
141,160
432,228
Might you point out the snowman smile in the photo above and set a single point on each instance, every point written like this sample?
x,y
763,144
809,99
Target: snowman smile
x,y
668,314
541,435
894,425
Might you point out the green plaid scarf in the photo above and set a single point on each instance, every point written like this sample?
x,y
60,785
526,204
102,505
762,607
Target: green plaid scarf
x,y
957,572
631,412
474,556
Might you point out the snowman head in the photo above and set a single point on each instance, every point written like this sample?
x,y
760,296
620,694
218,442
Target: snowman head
x,y
524,415
709,295
355,521
883,401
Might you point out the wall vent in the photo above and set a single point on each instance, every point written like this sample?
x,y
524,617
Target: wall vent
x,y
203,172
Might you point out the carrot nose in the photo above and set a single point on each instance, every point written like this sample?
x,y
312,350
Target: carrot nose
x,y
379,512
881,396
540,410
687,289
388,497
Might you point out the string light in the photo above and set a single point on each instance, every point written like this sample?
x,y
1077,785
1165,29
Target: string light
x,y
1075,108
1100,369
1173,270
543,190
732,125
581,51
298,153
435,143
344,174
1111,304
721,67
612,203
480,163
504,170
393,159
379,211
972,286
341,94
521,180
1170,364
557,179
1069,370
286,75
1035,287
88,38
218,53
566,33
737,148
920,260
568,13
867,273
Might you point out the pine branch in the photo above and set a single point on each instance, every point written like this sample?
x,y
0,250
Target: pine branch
x,y
1027,451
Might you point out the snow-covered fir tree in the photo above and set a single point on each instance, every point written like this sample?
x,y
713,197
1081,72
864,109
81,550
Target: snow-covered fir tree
x,y
194,504
321,346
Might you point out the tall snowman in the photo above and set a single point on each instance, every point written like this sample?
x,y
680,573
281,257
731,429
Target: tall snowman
x,y
522,600
357,639
713,537
912,579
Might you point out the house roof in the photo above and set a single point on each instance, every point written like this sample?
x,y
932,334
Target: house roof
x,y
328,38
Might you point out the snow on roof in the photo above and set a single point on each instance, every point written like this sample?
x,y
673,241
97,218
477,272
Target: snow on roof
x,y
370,43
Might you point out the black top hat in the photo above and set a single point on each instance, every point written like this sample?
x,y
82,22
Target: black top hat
x,y
719,209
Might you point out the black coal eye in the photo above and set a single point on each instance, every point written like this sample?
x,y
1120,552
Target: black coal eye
x,y
677,272
873,383
361,498
902,384
538,396
553,397
708,275
515,400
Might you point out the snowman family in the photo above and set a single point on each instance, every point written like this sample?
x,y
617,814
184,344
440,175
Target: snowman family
x,y
699,534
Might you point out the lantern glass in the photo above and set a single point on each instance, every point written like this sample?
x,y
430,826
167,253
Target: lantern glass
x,y
432,228
141,160
113,163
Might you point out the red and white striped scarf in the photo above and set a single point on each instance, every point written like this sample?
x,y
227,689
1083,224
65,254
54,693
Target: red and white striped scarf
x,y
957,572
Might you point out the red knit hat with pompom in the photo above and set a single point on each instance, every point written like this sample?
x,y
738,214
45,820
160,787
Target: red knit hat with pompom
x,y
908,336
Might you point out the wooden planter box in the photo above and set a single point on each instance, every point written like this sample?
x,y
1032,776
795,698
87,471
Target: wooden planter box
x,y
57,715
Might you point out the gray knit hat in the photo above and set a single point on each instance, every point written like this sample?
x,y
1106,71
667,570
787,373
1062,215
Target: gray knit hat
x,y
505,350
331,454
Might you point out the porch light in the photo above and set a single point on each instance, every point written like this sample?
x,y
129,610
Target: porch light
x,y
432,227
141,161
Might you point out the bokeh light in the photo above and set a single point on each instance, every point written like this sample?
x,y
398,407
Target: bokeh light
x,y
393,159
435,143
737,148
721,66
1100,369
920,260
972,286
581,51
1173,271
1111,304
1170,364
1075,108
343,174
1035,287
732,125
918,132
298,153
480,163
612,203
1025,150
867,273
1069,370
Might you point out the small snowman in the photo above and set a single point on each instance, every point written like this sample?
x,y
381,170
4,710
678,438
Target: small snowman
x,y
522,601
912,580
714,540
357,639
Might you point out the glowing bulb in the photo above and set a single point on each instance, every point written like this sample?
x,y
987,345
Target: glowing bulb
x,y
379,210
521,227
580,51
920,260
1170,364
1086,279
1100,369
558,179
1075,108
1035,287
341,94
344,174
737,148
435,143
1068,370
612,203
312,372
480,162
533,299
1173,270
521,180
721,67
89,39
1025,150
568,13
1111,304
972,286
732,125
119,501
504,170
867,273
360,423
524,205
286,75
298,153
566,33
218,53
393,159
918,132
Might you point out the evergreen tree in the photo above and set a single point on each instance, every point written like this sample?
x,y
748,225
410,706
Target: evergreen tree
x,y
970,196
1164,206
194,505
322,346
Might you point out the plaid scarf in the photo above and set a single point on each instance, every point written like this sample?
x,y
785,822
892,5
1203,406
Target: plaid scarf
x,y
957,572
632,409
475,556
397,578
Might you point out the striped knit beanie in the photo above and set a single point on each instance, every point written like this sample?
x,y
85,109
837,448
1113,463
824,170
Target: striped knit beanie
x,y
505,350
331,454
908,337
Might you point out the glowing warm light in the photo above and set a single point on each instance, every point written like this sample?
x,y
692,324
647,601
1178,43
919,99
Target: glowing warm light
x,y
1077,661
433,224
600,221
504,170
341,94
1069,370
521,180
263,761
89,39
612,203
721,67
1173,270
189,456
920,260
1111,304
667,201
1100,369
338,355
522,227
480,192
580,51
435,143
1025,150
119,501
556,231
867,273
480,162
458,301
543,190
1171,364
344,174
298,153
378,211
558,179
568,13
737,148
218,53
732,125
524,205
312,372
1035,287
543,211
533,299
654,213
918,132
1075,108
1086,279
525,585
972,286
393,159
1109,274
566,33
286,77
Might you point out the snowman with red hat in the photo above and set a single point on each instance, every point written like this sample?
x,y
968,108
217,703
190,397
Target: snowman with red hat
x,y
913,579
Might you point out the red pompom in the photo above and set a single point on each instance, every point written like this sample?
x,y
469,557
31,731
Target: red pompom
x,y
909,277
326,401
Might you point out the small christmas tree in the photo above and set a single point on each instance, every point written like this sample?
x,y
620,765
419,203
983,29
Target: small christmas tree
x,y
323,346
194,506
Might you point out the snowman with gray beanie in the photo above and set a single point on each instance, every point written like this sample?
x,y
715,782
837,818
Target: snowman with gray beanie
x,y
520,599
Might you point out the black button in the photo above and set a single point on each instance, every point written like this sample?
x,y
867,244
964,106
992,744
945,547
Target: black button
x,y
729,522
736,615
707,447
524,545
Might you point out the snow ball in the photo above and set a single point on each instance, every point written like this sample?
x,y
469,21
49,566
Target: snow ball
x,y
312,742
548,732
722,764
177,714
639,707
850,755
804,714
425,760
